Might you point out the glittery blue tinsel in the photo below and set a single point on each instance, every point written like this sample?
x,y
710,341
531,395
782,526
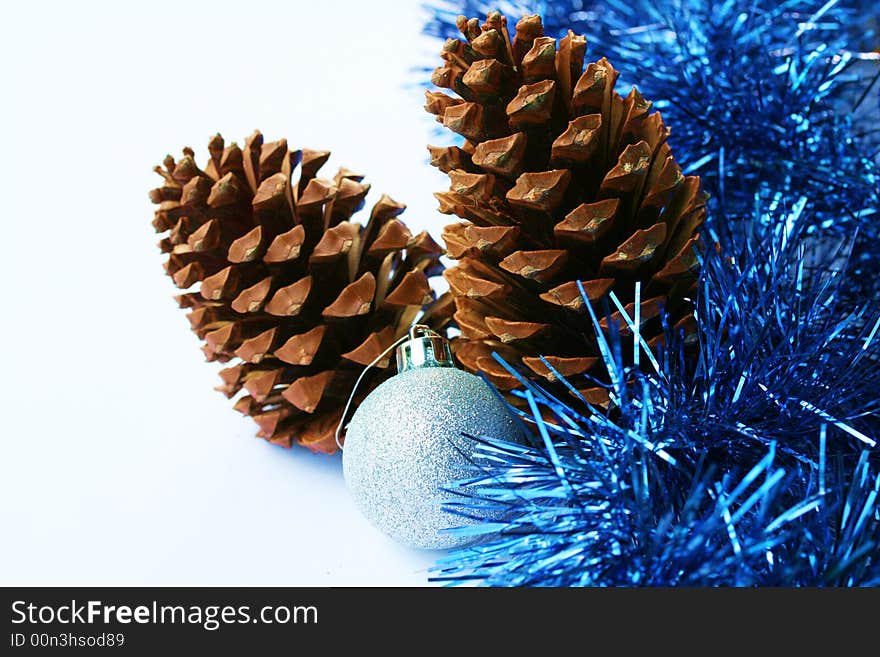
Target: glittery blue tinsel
x,y
759,94
757,466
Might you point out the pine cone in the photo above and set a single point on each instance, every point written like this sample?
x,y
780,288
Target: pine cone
x,y
290,290
560,179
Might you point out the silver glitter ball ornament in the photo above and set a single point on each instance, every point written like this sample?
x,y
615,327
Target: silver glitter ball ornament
x,y
405,443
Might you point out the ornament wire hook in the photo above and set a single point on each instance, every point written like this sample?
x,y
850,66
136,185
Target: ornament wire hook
x,y
410,335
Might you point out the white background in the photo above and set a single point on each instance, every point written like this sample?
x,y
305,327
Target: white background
x,y
120,465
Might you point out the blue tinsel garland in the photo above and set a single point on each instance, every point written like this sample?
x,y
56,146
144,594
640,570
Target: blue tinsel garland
x,y
760,466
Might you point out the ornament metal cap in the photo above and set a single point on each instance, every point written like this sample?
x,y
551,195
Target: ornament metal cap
x,y
425,348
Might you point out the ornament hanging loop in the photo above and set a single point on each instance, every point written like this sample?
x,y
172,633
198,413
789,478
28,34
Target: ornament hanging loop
x,y
436,354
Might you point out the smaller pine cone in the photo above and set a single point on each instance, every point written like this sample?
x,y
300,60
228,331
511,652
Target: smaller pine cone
x,y
559,180
279,281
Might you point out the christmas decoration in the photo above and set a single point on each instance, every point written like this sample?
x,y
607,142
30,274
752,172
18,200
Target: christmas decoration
x,y
701,415
562,181
762,94
405,443
280,281
761,468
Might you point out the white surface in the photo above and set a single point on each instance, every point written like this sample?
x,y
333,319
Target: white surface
x,y
120,465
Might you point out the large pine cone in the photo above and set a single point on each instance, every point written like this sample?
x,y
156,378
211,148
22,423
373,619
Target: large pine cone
x,y
299,297
560,179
